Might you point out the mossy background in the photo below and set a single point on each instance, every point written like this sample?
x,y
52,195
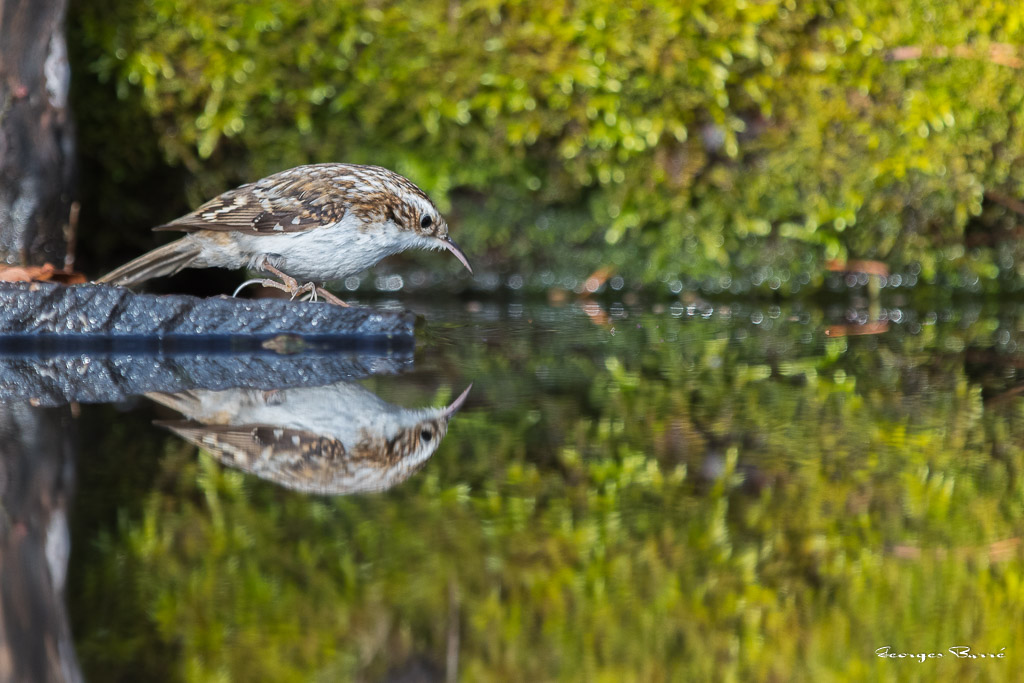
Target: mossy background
x,y
690,498
736,145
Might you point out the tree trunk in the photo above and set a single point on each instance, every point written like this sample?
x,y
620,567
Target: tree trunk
x,y
36,135
37,455
36,445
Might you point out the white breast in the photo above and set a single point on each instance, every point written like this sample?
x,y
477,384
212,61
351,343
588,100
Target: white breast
x,y
330,252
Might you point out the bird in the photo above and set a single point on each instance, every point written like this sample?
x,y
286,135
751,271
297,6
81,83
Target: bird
x,y
335,439
316,223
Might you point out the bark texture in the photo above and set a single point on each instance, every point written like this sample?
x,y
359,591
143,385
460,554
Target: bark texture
x,y
36,136
36,473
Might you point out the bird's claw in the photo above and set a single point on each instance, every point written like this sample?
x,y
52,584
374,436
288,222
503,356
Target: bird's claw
x,y
291,285
328,297
246,284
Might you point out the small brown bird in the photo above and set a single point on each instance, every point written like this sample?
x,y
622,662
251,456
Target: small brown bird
x,y
315,223
331,440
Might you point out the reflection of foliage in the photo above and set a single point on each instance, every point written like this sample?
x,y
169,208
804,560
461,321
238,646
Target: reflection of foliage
x,y
682,500
761,135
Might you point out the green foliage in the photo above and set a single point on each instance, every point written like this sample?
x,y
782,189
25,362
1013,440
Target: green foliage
x,y
693,137
682,499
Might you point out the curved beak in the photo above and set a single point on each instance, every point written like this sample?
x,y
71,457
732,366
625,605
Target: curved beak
x,y
457,403
449,244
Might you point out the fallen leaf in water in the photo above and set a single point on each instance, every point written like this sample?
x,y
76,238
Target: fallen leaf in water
x,y
863,266
876,327
597,278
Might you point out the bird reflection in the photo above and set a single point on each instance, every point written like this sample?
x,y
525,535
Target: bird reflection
x,y
336,439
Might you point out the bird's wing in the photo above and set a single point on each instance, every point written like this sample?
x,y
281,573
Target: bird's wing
x,y
288,454
295,200
259,212
243,445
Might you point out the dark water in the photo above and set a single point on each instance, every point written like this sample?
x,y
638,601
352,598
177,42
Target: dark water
x,y
654,493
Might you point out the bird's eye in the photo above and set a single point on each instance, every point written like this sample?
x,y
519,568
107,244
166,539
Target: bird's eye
x,y
426,221
426,435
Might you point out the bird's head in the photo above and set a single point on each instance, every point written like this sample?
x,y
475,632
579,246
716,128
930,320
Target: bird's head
x,y
412,212
419,433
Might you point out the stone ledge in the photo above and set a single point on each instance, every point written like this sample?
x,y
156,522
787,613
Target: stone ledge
x,y
99,378
44,316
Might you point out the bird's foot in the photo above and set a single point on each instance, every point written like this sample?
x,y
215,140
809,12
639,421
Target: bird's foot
x,y
328,297
295,288
291,285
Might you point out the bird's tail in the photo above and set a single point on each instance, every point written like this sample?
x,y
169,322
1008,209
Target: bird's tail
x,y
162,261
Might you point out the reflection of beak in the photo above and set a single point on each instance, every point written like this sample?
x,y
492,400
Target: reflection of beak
x,y
457,403
449,244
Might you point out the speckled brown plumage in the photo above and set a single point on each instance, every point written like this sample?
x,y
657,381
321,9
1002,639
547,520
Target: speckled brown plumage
x,y
305,461
310,197
336,439
318,222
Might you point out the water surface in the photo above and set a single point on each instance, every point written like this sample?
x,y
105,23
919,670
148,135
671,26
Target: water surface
x,y
669,492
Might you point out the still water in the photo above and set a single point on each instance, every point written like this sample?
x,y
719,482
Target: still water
x,y
571,491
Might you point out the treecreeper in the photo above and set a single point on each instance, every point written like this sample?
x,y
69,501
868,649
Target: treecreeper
x,y
311,223
331,440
